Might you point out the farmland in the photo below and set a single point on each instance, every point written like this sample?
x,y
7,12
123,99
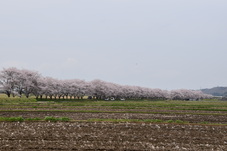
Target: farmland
x,y
113,125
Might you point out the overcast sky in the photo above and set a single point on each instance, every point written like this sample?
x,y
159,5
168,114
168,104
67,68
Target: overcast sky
x,y
167,44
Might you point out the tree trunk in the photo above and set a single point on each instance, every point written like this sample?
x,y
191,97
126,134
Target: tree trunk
x,y
20,92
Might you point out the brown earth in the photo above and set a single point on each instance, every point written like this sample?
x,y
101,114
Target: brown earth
x,y
47,136
108,108
192,118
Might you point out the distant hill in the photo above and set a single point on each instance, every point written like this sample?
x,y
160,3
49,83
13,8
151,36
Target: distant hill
x,y
216,91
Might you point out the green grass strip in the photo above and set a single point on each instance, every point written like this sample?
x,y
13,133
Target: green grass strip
x,y
66,119
55,119
152,121
98,111
21,119
139,120
12,119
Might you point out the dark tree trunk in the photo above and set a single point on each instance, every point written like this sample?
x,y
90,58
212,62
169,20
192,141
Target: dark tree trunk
x,y
7,93
20,92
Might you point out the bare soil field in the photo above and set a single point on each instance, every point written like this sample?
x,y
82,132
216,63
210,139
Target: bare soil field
x,y
48,136
205,127
108,109
191,118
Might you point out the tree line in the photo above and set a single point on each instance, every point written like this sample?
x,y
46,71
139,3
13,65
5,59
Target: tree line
x,y
18,82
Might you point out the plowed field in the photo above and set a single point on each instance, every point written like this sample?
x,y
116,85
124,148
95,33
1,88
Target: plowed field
x,y
82,134
110,136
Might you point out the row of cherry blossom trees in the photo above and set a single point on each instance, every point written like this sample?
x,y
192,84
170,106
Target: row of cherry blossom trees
x,y
15,81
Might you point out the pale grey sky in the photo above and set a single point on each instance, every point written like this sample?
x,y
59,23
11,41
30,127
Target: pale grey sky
x,y
167,44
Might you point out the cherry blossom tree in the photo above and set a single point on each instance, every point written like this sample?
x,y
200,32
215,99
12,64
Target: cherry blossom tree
x,y
30,79
17,82
99,89
184,94
9,80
